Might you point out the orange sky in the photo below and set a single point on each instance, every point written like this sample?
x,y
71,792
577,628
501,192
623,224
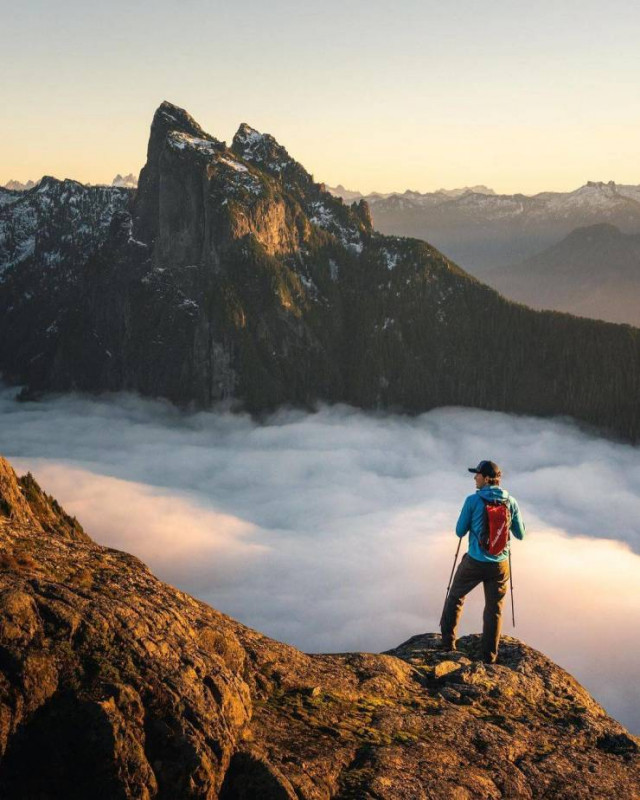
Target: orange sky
x,y
517,97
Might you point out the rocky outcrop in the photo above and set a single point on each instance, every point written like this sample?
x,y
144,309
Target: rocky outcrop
x,y
233,276
115,685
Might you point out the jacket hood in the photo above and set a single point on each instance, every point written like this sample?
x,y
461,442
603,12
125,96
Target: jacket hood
x,y
493,493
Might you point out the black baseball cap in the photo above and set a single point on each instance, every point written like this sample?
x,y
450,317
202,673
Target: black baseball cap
x,y
488,469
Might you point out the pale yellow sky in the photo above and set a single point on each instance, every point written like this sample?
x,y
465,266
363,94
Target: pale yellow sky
x,y
378,98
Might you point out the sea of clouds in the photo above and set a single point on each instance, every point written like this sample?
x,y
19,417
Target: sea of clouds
x,y
333,531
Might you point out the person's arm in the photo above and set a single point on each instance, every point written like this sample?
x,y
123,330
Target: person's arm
x,y
517,523
464,520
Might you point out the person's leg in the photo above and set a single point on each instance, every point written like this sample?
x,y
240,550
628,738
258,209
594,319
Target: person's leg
x,y
495,589
467,577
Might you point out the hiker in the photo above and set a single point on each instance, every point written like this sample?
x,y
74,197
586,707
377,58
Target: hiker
x,y
488,516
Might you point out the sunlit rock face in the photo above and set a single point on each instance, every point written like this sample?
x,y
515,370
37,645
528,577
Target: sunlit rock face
x,y
118,685
236,277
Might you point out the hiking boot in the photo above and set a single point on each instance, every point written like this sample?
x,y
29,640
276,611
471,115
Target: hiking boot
x,y
449,645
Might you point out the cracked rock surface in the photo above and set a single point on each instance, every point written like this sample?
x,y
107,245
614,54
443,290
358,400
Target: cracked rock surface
x,y
116,685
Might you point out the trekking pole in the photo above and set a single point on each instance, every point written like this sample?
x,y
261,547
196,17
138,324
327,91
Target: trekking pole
x,y
451,577
513,612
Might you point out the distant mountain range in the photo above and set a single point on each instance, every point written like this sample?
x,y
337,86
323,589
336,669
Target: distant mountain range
x,y
349,195
129,181
16,186
230,275
592,272
482,230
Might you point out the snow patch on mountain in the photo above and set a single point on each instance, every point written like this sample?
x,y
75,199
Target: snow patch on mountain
x,y
57,222
179,141
261,149
391,257
233,164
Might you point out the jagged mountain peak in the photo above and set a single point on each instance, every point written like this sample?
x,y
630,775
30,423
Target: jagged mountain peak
x,y
325,210
607,189
263,150
252,188
249,139
255,285
170,122
171,126
245,131
18,186
129,181
171,117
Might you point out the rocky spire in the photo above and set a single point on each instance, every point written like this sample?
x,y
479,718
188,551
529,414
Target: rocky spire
x,y
172,118
361,209
167,119
265,152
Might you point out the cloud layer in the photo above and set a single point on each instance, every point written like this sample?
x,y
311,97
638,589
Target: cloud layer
x,y
334,531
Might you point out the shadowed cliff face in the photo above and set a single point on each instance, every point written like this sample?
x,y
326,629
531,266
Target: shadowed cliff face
x,y
233,276
118,686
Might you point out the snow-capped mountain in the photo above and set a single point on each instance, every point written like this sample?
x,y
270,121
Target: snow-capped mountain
x,y
482,230
348,195
56,222
233,276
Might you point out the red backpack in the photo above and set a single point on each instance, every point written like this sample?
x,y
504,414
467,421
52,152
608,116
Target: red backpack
x,y
497,525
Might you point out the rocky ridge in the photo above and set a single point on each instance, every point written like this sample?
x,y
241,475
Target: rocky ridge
x,y
57,223
47,235
231,275
119,686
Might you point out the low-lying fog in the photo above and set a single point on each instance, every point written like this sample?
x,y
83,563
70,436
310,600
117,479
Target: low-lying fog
x,y
334,531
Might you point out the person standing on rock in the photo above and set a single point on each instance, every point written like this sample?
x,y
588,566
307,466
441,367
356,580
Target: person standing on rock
x,y
488,516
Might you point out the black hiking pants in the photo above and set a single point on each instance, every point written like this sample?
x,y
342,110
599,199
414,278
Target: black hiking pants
x,y
494,576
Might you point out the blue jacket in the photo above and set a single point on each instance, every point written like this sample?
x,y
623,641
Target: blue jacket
x,y
472,521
